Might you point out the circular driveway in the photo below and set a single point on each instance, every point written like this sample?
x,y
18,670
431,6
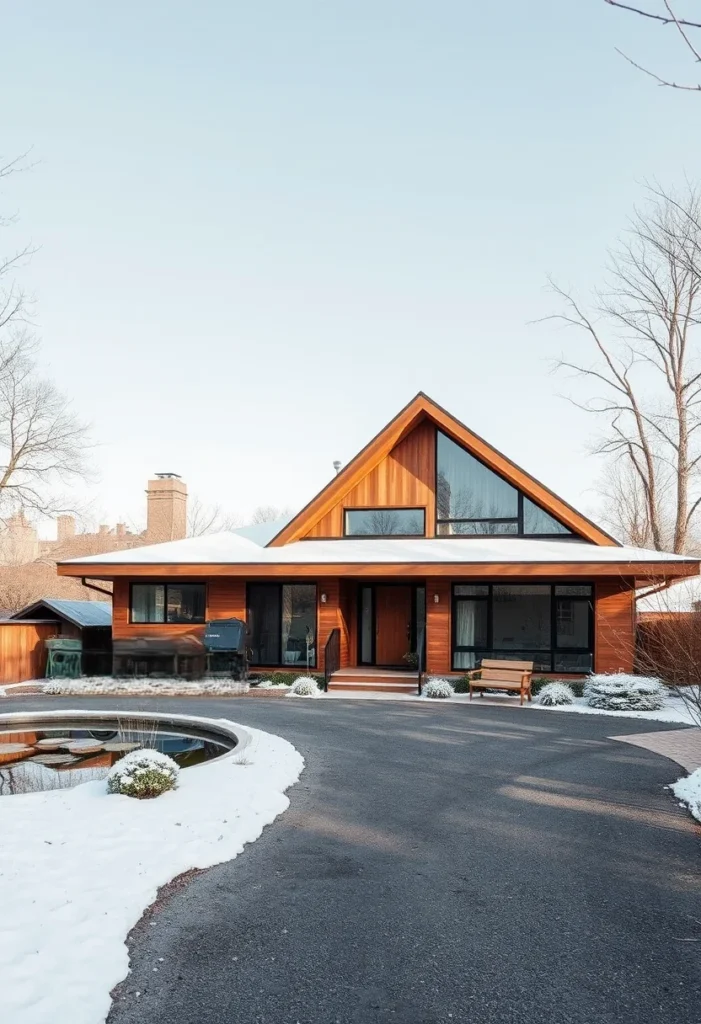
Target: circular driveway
x,y
437,863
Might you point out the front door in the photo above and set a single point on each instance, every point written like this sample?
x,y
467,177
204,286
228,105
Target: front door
x,y
393,605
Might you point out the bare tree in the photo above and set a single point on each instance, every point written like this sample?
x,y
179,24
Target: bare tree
x,y
269,513
203,519
644,331
42,443
664,15
14,305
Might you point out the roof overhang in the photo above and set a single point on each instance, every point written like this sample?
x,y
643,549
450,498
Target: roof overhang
x,y
644,572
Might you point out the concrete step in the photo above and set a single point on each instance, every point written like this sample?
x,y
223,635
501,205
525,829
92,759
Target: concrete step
x,y
375,686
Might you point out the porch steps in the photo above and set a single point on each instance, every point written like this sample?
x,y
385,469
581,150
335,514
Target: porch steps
x,y
373,680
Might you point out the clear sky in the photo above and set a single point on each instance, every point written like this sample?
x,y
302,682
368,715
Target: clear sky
x,y
265,226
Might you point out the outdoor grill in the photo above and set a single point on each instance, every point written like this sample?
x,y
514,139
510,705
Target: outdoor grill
x,y
225,648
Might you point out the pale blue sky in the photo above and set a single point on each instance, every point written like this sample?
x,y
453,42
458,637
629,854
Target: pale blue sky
x,y
265,226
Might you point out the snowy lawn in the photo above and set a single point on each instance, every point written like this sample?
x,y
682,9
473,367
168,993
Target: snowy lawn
x,y
688,790
674,710
78,868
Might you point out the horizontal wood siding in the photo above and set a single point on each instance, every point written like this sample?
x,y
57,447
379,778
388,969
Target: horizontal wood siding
x,y
614,629
438,652
226,599
22,651
405,477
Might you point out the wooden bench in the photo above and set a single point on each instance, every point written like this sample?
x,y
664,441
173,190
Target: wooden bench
x,y
503,675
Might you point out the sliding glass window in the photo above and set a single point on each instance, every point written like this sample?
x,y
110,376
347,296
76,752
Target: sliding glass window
x,y
548,624
168,602
282,624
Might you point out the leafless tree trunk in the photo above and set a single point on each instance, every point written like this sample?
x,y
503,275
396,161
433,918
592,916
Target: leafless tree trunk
x,y
41,442
644,332
664,15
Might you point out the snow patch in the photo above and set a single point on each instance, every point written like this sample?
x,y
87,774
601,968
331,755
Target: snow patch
x,y
145,685
78,867
688,790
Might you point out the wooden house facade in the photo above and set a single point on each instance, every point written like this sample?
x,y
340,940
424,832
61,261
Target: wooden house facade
x,y
429,546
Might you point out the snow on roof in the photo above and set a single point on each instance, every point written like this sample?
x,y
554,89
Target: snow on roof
x,y
81,613
263,533
229,548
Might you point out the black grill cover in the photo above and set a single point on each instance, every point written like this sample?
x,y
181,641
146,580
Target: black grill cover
x,y
225,635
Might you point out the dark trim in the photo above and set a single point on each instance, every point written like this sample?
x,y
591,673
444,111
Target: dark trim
x,y
518,518
91,586
382,508
166,584
280,584
553,650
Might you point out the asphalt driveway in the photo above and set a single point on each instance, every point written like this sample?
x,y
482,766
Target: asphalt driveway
x,y
437,863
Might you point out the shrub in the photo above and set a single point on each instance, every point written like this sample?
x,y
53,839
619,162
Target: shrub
x,y
438,689
553,694
143,774
304,686
622,692
461,684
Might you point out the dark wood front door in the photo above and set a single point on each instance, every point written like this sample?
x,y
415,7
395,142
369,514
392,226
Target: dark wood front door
x,y
392,624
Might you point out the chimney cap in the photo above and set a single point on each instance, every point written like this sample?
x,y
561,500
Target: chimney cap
x,y
168,476
337,465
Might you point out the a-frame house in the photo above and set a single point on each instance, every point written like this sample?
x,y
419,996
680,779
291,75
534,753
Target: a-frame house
x,y
429,546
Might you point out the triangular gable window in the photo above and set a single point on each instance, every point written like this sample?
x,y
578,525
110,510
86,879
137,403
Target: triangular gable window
x,y
472,499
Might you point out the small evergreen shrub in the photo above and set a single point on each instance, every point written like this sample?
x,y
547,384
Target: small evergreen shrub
x,y
438,689
143,774
553,694
304,686
461,684
623,692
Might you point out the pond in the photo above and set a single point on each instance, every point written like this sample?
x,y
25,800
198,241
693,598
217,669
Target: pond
x,y
65,755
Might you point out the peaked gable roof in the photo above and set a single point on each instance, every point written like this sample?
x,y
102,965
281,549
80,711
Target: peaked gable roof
x,y
80,613
420,408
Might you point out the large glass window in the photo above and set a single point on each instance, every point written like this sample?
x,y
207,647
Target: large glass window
x,y
385,522
550,625
168,602
282,624
473,500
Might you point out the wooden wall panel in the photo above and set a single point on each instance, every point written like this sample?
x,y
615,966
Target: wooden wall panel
x,y
405,477
614,626
22,651
438,626
329,616
226,599
348,608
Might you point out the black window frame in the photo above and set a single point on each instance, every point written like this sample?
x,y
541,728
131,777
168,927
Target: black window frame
x,y
518,519
383,508
165,621
538,654
279,584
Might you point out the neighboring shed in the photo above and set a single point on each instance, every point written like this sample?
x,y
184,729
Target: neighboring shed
x,y
89,621
22,649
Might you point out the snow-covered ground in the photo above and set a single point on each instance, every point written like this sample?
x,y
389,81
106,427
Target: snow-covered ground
x,y
688,790
143,685
675,710
78,867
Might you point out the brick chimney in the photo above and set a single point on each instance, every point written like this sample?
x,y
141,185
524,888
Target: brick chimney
x,y
65,528
166,508
121,530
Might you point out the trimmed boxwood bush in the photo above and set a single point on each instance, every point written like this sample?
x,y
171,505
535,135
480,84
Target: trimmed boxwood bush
x,y
438,689
623,692
143,774
304,686
553,694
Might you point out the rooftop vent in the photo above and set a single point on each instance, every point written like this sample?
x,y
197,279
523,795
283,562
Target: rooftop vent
x,y
168,476
337,466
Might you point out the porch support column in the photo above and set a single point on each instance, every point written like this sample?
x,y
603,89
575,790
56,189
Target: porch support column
x,y
438,611
328,614
614,626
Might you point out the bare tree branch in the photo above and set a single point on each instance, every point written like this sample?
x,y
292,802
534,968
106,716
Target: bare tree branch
x,y
684,28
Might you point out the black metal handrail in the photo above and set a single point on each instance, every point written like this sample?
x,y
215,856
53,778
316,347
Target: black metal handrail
x,y
420,659
332,656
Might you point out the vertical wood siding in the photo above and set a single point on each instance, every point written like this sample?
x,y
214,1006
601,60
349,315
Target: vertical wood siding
x,y
437,625
614,626
329,616
404,478
22,651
